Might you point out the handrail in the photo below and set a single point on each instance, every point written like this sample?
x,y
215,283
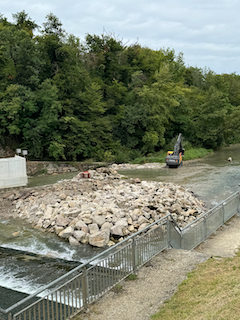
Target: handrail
x,y
118,247
83,265
209,211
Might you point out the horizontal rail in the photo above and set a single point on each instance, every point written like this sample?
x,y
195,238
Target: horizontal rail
x,y
83,265
209,211
102,272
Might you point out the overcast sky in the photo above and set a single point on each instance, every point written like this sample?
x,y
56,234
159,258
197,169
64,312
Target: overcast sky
x,y
206,31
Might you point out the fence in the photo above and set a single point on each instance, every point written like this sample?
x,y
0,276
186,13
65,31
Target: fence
x,y
66,296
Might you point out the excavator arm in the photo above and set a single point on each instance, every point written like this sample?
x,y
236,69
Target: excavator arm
x,y
174,158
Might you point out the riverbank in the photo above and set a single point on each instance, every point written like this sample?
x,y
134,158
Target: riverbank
x,y
103,209
190,154
41,168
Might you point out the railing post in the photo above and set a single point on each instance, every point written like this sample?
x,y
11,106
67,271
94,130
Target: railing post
x,y
134,255
10,316
238,209
205,228
223,209
85,287
180,239
168,233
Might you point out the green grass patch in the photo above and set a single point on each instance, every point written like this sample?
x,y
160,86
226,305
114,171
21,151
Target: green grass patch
x,y
131,277
190,154
196,153
212,291
117,288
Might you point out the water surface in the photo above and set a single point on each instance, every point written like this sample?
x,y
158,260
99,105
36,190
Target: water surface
x,y
212,178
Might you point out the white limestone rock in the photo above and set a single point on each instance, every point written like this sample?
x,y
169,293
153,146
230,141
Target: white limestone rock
x,y
66,233
93,228
99,239
99,220
117,230
73,241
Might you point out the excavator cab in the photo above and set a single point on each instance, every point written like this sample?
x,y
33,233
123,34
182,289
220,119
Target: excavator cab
x,y
174,158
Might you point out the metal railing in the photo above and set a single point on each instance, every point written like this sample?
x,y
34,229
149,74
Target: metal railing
x,y
68,295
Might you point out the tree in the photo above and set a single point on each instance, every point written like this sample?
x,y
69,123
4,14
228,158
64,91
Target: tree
x,y
210,119
41,131
22,21
146,117
19,59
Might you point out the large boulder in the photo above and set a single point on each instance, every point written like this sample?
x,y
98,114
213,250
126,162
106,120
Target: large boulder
x,y
79,235
122,223
62,222
93,228
73,241
80,225
142,226
117,230
106,226
66,233
99,239
48,213
99,220
142,220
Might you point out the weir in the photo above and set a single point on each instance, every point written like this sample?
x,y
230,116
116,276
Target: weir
x,y
22,273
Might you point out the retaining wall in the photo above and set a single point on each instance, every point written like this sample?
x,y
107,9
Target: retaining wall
x,y
13,172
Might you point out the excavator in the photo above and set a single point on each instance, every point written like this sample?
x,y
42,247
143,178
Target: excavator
x,y
174,158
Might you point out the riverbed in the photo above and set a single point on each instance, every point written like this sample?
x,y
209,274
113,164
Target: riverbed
x,y
212,178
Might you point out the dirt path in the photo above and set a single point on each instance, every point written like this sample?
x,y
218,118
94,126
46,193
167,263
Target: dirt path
x,y
158,280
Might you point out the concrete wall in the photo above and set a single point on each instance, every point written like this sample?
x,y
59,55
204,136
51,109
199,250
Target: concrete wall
x,y
13,172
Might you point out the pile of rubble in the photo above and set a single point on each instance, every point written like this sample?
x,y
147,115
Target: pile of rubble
x,y
104,208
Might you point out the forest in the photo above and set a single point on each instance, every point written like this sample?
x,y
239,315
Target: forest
x,y
65,98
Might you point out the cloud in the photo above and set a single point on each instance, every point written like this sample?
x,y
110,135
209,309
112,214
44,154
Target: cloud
x,y
205,31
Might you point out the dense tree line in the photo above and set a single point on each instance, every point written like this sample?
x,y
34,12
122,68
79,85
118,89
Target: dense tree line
x,y
62,98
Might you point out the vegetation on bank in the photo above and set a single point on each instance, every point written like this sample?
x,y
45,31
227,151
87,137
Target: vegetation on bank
x,y
190,154
212,291
63,98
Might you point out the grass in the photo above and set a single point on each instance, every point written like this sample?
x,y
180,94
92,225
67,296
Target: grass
x,y
160,156
131,277
117,288
196,153
212,291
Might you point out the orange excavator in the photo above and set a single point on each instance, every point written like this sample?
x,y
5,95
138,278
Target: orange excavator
x,y
174,158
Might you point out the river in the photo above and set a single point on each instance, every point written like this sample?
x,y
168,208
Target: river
x,y
212,178
22,261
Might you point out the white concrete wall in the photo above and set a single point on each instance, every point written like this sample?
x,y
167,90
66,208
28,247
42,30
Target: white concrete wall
x,y
13,172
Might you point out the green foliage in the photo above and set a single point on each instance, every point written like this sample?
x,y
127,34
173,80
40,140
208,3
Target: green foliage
x,y
190,153
195,153
132,277
118,288
108,156
65,99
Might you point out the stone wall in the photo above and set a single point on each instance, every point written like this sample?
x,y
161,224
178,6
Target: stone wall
x,y
48,167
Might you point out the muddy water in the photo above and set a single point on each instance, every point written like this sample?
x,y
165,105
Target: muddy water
x,y
43,180
212,178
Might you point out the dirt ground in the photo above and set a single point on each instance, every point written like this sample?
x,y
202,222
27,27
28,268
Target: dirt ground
x,y
158,279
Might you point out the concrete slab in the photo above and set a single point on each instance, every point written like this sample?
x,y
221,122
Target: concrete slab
x,y
13,172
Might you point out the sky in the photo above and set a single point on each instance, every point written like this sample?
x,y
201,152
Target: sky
x,y
205,31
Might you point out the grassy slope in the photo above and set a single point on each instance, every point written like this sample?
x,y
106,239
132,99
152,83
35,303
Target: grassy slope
x,y
190,154
212,291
